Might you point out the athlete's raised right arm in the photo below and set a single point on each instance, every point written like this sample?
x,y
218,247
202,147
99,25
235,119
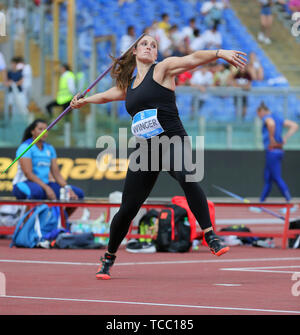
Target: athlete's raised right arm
x,y
112,94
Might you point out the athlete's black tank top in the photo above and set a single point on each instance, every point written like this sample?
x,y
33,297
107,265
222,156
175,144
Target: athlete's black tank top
x,y
151,95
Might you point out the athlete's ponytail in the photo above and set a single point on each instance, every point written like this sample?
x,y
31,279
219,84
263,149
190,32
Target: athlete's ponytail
x,y
27,132
122,70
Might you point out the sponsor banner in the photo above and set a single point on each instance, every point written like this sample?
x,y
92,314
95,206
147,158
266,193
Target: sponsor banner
x,y
238,171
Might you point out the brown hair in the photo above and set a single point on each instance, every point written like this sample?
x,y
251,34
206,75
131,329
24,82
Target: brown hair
x,y
123,67
262,106
122,70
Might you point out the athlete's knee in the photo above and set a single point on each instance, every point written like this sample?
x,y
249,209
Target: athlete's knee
x,y
22,191
18,193
127,212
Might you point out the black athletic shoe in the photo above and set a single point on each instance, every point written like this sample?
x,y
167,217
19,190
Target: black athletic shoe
x,y
107,262
141,247
215,244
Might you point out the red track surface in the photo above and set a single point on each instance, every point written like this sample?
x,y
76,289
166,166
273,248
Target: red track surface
x,y
247,280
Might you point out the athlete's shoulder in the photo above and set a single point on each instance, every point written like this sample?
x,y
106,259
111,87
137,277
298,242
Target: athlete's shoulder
x,y
50,148
23,146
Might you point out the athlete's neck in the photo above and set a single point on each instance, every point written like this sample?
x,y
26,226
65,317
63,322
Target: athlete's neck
x,y
142,69
40,145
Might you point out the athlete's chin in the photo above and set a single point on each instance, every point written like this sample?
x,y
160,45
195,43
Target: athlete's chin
x,y
146,58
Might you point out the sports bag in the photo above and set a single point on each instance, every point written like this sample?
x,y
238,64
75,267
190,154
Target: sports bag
x,y
294,243
173,237
182,202
37,223
147,224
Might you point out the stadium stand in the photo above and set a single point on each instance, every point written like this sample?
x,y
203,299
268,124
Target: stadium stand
x,y
99,18
109,18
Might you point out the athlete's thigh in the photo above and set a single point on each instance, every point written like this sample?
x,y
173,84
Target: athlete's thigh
x,y
138,185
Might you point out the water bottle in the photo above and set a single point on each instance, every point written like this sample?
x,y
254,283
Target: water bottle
x,y
67,192
62,193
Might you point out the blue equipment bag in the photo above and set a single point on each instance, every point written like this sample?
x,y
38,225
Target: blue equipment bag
x,y
43,220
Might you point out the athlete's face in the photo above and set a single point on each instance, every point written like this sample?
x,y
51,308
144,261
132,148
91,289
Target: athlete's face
x,y
146,50
39,128
261,112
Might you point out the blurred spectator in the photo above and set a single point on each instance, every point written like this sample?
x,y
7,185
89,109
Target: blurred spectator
x,y
164,23
85,19
241,78
14,75
48,30
212,11
198,41
16,15
177,45
222,74
2,23
2,68
164,43
188,31
127,39
294,5
266,21
201,79
212,38
156,32
85,41
66,89
255,68
27,78
153,30
14,82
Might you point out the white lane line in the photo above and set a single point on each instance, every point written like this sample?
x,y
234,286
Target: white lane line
x,y
228,285
255,310
153,263
266,269
253,221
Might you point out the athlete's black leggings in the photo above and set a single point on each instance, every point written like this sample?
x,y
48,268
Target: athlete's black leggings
x,y
137,188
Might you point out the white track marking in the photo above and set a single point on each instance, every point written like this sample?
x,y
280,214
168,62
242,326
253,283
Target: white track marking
x,y
253,221
229,285
255,310
154,263
269,269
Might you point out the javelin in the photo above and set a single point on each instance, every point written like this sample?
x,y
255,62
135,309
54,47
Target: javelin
x,y
247,201
53,123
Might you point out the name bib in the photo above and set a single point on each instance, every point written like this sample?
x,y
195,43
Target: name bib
x,y
145,124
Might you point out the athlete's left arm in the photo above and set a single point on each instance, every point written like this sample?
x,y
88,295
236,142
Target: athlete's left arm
x,y
173,66
56,173
292,128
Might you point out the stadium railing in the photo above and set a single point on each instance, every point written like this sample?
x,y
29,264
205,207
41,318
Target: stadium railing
x,y
285,234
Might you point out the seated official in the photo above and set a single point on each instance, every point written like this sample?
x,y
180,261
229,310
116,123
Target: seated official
x,y
35,166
